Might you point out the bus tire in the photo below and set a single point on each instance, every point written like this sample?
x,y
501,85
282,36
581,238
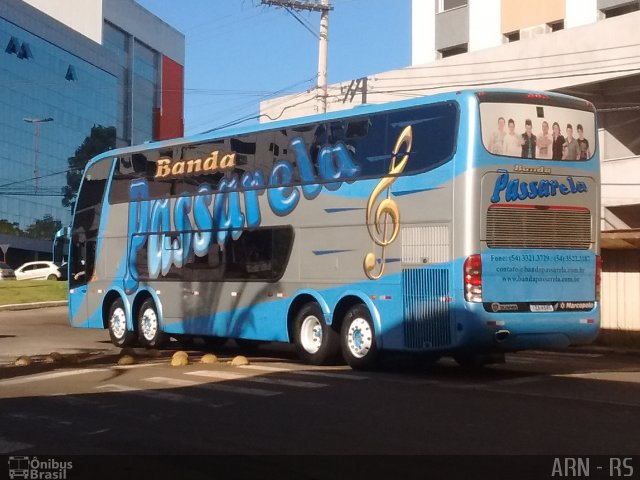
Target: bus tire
x,y
150,333
358,339
117,325
316,342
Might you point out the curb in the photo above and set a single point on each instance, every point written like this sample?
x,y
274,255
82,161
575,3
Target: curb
x,y
34,305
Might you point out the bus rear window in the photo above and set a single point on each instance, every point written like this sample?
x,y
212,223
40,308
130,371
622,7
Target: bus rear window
x,y
538,131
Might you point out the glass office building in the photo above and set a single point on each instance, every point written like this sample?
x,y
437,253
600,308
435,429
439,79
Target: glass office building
x,y
49,101
58,82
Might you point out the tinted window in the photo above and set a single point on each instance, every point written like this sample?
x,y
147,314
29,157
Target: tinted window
x,y
261,254
86,222
435,132
370,141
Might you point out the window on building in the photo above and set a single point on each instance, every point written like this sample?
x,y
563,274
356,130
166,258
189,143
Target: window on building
x,y
13,46
451,51
117,42
71,75
444,5
145,98
555,26
621,10
25,51
512,36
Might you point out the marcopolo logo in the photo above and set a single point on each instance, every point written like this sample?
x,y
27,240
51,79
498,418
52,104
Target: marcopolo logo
x,y
38,469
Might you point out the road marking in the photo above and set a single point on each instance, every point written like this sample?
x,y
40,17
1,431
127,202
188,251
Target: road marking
x,y
8,446
266,380
112,387
626,377
38,377
223,387
172,382
524,359
177,382
268,368
567,354
158,395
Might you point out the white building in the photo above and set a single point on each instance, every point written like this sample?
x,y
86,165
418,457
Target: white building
x,y
586,48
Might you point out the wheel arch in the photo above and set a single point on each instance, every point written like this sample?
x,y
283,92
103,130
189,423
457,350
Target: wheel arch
x,y
351,298
302,298
145,294
110,297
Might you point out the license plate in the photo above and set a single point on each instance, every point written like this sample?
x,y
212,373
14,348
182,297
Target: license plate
x,y
541,308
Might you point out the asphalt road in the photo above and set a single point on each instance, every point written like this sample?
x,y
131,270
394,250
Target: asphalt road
x,y
550,403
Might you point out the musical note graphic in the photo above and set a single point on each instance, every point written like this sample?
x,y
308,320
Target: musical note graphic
x,y
387,214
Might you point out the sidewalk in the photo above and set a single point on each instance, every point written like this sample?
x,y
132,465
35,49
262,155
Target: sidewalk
x,y
34,305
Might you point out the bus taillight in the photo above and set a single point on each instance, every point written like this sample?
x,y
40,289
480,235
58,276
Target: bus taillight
x,y
598,276
473,279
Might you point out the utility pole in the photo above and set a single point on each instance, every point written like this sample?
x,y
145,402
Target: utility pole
x,y
323,53
323,50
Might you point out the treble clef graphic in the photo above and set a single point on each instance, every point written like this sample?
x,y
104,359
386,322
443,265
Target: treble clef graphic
x,y
386,214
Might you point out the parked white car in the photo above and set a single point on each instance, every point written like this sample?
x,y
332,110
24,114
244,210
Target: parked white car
x,y
41,270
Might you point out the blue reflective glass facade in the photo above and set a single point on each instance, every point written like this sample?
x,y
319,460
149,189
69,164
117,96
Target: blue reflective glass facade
x,y
145,77
41,80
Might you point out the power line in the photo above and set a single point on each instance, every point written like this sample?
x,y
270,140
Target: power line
x,y
323,48
301,22
519,59
591,66
501,81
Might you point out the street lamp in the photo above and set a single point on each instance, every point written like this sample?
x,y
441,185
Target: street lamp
x,y
36,144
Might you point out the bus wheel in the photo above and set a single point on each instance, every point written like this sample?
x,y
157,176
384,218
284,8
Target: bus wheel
x,y
359,339
149,332
316,342
117,326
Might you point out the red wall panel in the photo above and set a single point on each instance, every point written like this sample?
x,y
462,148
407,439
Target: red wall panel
x,y
170,118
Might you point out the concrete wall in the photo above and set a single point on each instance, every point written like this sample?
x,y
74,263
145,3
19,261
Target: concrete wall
x,y
84,16
452,28
484,24
520,14
423,25
146,27
581,12
621,290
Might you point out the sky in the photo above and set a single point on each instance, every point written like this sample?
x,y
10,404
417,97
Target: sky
x,y
239,52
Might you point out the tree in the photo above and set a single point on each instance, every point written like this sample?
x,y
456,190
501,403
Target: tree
x,y
99,140
46,227
11,228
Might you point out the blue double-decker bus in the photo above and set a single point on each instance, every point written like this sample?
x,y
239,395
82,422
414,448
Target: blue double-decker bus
x,y
462,224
